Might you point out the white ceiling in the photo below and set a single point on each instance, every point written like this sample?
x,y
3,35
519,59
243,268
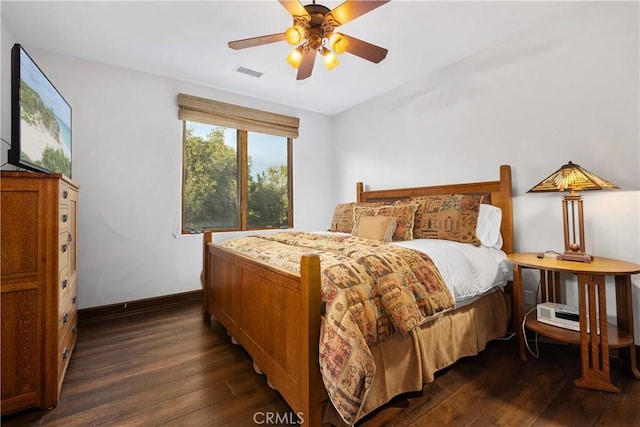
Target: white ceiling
x,y
188,41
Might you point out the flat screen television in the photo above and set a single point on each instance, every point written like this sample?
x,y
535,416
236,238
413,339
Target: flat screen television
x,y
40,119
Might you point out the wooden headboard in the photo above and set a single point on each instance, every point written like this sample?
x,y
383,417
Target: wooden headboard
x,y
500,197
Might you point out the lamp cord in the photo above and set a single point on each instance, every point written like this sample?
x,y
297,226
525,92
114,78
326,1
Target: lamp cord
x,y
535,338
524,331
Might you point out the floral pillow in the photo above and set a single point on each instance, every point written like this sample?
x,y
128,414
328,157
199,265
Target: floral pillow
x,y
343,218
404,214
449,217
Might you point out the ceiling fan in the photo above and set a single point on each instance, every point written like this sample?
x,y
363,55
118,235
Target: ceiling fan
x,y
312,31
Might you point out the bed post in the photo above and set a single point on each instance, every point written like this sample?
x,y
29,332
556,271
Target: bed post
x,y
312,382
507,209
359,191
207,237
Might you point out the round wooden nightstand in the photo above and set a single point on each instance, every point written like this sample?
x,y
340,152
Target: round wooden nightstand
x,y
592,302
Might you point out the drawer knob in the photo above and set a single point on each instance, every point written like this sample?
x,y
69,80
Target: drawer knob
x,y
65,318
74,329
64,248
65,282
65,218
65,353
69,239
65,194
74,299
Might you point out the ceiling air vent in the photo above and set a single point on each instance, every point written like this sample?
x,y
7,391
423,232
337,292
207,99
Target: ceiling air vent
x,y
248,71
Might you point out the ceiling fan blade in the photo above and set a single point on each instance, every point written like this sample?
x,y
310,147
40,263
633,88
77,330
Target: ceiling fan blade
x,y
350,10
256,41
365,50
306,65
294,8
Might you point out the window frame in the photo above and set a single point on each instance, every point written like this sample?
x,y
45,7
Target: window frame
x,y
242,163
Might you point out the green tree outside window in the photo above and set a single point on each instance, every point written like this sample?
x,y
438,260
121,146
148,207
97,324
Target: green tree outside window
x,y
216,179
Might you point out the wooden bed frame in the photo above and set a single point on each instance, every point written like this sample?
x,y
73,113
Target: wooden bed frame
x,y
275,315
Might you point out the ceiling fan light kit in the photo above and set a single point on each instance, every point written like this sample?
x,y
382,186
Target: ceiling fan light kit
x,y
338,43
294,35
295,57
312,31
330,59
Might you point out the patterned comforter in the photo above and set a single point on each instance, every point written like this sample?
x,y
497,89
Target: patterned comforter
x,y
372,290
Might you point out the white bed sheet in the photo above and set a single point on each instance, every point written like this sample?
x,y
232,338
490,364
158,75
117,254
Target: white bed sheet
x,y
469,271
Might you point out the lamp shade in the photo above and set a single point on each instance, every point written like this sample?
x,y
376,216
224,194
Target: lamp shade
x,y
573,178
295,57
338,43
330,59
294,35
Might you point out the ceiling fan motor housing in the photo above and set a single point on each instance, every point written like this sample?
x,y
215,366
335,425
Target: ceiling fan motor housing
x,y
317,28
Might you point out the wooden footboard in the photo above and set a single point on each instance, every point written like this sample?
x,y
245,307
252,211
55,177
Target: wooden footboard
x,y
275,316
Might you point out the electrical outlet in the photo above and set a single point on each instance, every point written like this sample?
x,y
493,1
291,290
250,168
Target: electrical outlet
x,y
529,298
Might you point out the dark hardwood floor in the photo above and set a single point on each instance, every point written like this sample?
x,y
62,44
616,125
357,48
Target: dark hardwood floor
x,y
168,368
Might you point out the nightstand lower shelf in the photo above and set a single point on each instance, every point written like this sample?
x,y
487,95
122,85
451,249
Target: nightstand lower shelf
x,y
616,337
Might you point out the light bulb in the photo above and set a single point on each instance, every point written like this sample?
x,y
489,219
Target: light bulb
x,y
338,42
294,35
330,59
295,57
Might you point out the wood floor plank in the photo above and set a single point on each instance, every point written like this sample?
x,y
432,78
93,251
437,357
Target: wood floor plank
x,y
168,368
623,408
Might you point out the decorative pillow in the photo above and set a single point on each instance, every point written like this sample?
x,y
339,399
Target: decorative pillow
x,y
449,217
404,214
375,227
343,218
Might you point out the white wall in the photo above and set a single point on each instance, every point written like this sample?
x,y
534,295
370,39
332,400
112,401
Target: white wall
x,y
127,160
565,91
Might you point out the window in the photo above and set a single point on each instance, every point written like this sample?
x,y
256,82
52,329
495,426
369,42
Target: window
x,y
237,173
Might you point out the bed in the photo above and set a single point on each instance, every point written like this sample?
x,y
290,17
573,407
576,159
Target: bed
x,y
276,314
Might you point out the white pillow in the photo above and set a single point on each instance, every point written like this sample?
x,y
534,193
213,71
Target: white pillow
x,y
488,228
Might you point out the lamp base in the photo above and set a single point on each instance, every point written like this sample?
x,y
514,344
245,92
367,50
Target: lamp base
x,y
572,256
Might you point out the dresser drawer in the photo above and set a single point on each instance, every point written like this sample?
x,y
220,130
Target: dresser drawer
x,y
67,308
64,284
65,193
67,319
67,304
63,218
66,346
64,248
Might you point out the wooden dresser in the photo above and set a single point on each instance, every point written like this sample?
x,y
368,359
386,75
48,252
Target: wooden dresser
x,y
38,286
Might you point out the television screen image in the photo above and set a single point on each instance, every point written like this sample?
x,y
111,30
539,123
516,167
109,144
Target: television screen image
x,y
41,119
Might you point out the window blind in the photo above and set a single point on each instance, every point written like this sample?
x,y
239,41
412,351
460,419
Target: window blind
x,y
193,108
